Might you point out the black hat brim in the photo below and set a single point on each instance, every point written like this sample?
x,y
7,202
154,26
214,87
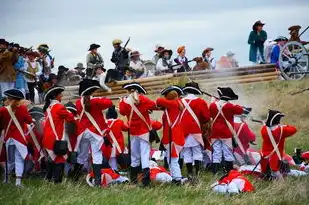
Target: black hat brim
x,y
52,90
135,86
89,90
171,88
94,47
192,90
14,93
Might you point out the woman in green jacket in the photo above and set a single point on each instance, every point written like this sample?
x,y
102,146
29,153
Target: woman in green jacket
x,y
256,40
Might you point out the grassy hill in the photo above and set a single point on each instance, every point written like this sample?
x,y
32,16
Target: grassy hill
x,y
260,96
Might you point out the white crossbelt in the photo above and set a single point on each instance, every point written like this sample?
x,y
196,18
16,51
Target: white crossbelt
x,y
111,134
13,117
273,142
189,109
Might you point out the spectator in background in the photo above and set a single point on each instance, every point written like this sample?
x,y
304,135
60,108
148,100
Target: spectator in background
x,y
34,68
20,67
120,58
269,44
208,58
158,50
7,71
137,64
256,41
164,64
100,76
79,70
182,60
94,60
128,73
231,58
46,60
275,53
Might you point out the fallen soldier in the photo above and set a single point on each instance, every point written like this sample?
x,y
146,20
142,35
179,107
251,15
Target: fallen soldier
x,y
108,177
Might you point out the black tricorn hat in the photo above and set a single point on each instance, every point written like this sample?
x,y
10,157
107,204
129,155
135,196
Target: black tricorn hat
x,y
176,88
53,92
135,86
111,113
88,86
93,46
36,112
63,68
226,93
273,118
193,88
71,107
14,93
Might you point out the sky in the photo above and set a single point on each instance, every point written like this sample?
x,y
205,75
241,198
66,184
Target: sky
x,y
70,26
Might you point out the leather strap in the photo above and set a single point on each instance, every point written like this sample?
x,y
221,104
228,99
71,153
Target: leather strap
x,y
189,109
51,122
115,142
13,117
273,142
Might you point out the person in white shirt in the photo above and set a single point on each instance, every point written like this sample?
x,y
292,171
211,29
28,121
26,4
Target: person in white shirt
x,y
33,67
137,65
164,64
100,76
208,58
158,50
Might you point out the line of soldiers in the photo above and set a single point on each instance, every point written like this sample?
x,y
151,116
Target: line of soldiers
x,y
68,133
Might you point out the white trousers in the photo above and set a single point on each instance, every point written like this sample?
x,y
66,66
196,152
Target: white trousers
x,y
163,177
173,166
140,152
222,147
89,139
4,86
190,154
15,158
113,163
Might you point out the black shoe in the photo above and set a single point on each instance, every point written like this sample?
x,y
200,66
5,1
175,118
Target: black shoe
x,y
176,182
215,167
75,174
50,166
58,172
189,170
197,165
97,174
180,162
146,177
133,174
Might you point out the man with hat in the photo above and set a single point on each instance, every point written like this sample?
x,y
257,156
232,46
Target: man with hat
x,y
222,113
244,136
256,41
158,50
7,71
100,75
79,69
173,137
208,58
14,118
46,60
33,68
120,57
136,108
164,64
137,64
294,32
94,60
93,127
274,135
275,53
193,119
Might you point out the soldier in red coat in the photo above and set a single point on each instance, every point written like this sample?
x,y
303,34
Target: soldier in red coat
x,y
54,139
14,118
116,127
274,135
173,136
222,113
93,127
136,108
244,137
194,116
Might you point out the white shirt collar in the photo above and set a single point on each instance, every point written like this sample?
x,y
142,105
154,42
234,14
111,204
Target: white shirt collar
x,y
190,96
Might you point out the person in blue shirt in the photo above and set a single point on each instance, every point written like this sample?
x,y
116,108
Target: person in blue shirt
x,y
275,53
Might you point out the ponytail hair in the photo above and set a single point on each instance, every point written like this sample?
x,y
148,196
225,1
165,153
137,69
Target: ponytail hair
x,y
87,103
47,104
49,98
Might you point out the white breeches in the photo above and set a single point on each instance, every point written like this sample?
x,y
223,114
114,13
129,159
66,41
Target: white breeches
x,y
15,158
234,187
140,151
222,146
173,166
113,163
89,139
190,154
163,177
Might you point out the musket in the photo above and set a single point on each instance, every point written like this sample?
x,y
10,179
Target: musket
x,y
258,121
210,95
301,91
303,32
122,49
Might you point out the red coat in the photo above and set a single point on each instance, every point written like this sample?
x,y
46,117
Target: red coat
x,y
118,126
137,126
97,105
23,117
35,141
200,109
242,182
267,146
220,129
156,170
60,115
245,136
174,112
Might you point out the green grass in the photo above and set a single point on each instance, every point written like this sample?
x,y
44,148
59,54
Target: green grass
x,y
261,96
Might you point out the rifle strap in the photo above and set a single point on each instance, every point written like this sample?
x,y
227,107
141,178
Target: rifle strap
x,y
111,134
273,142
18,126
